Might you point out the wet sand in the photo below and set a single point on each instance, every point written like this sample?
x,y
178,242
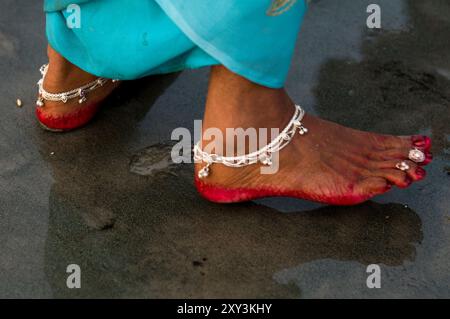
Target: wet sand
x,y
92,197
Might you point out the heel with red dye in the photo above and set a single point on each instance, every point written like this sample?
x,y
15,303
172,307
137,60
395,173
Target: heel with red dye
x,y
67,122
224,195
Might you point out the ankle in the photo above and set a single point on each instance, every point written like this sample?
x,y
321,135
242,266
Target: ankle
x,y
63,75
236,101
260,110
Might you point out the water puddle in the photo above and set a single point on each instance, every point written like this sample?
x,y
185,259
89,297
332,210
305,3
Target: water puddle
x,y
154,159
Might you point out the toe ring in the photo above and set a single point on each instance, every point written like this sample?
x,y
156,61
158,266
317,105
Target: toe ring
x,y
403,166
416,155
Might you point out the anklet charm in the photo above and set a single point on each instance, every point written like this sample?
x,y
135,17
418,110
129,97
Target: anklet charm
x,y
263,155
204,172
82,94
40,101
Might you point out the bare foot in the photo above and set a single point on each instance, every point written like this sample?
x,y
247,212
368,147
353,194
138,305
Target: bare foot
x,y
63,76
331,164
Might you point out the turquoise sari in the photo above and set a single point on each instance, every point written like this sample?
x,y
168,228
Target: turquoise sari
x,y
136,38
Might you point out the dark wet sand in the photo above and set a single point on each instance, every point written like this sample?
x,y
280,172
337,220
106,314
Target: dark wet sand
x,y
89,198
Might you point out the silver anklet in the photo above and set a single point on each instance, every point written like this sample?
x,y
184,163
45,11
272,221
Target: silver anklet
x,y
80,92
263,155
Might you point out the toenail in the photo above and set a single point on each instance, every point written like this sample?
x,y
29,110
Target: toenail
x,y
420,172
408,180
421,141
428,159
419,144
427,142
418,140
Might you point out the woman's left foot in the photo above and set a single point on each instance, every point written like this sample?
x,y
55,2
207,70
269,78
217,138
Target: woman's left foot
x,y
63,76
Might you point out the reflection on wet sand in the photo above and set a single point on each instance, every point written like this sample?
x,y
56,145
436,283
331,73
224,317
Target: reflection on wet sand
x,y
156,238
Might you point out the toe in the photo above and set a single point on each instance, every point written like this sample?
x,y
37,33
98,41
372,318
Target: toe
x,y
400,154
394,176
395,142
428,158
391,154
390,141
421,141
415,172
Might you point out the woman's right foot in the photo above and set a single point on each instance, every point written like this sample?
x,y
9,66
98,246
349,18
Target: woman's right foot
x,y
332,164
63,76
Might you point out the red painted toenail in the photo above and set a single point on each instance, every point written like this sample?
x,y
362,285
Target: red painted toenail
x,y
421,141
418,140
420,172
428,159
408,180
427,142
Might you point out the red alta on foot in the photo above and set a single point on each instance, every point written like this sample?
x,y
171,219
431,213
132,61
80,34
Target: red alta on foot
x,y
329,175
225,195
67,122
